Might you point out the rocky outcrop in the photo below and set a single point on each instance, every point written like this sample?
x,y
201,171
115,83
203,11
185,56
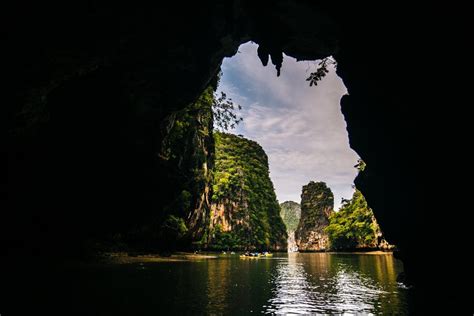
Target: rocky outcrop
x,y
290,214
354,227
188,156
317,204
245,213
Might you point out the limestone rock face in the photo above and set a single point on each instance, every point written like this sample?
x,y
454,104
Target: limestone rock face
x,y
225,215
186,159
245,213
290,214
317,204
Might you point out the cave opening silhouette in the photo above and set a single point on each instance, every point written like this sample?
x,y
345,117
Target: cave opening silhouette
x,y
92,91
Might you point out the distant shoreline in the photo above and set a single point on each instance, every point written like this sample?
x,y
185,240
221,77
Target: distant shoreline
x,y
127,258
360,251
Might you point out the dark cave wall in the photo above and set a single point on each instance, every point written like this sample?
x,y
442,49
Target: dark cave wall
x,y
381,120
93,91
90,89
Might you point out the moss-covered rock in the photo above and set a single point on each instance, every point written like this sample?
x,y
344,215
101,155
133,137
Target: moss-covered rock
x,y
245,213
317,204
290,214
188,153
354,227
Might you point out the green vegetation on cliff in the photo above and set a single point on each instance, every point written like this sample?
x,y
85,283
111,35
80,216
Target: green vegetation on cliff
x,y
187,155
246,213
317,203
290,214
354,225
219,193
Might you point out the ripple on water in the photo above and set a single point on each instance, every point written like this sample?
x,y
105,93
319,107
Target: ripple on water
x,y
340,291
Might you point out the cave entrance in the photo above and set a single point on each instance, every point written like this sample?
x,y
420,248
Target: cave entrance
x,y
300,127
303,132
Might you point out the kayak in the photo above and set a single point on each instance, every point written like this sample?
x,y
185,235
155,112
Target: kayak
x,y
260,255
249,257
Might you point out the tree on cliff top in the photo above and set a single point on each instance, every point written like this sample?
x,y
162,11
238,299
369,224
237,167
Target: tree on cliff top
x,y
224,109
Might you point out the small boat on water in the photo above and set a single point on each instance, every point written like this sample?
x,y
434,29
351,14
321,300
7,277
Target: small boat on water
x,y
256,255
250,255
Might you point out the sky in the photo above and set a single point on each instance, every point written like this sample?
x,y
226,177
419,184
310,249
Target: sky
x,y
301,128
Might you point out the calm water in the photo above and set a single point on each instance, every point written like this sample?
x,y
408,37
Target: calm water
x,y
285,284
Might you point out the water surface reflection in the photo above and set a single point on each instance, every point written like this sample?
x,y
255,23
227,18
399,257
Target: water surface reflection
x,y
285,284
336,283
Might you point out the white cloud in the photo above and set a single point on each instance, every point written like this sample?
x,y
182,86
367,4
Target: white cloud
x,y
300,127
